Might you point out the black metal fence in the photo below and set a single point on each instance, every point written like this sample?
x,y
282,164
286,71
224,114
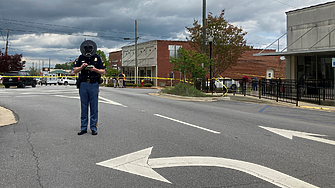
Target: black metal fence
x,y
290,91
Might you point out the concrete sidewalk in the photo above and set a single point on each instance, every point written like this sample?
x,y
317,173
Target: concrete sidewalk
x,y
7,117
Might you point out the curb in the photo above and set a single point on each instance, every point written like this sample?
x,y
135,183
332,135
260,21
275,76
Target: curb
x,y
7,117
178,97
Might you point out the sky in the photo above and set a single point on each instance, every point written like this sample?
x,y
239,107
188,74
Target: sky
x,y
46,31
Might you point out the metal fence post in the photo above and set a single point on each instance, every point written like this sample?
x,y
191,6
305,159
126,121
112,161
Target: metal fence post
x,y
297,83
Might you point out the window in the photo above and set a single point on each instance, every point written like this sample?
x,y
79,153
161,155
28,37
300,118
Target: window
x,y
174,50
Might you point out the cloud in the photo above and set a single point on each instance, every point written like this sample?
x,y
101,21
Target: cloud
x,y
55,29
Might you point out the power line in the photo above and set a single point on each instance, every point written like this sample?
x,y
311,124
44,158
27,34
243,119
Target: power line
x,y
11,21
284,4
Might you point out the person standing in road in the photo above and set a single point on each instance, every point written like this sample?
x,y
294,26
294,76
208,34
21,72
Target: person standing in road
x,y
115,80
124,80
121,80
91,67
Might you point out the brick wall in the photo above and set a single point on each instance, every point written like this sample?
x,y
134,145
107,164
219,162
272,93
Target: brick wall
x,y
164,67
257,66
115,58
247,65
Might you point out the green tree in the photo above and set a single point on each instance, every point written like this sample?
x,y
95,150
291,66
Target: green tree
x,y
228,44
34,71
65,66
189,63
103,57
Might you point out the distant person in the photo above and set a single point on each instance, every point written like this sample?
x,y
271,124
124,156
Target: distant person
x,y
115,80
124,80
121,80
254,83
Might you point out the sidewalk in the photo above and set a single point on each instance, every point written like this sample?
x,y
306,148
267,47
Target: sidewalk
x,y
6,117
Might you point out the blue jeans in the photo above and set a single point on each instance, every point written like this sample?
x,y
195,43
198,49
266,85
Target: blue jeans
x,y
89,94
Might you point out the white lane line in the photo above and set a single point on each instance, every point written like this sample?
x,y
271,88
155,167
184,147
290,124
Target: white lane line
x,y
103,100
67,97
195,126
112,102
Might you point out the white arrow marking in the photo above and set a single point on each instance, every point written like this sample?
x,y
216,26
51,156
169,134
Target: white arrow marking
x,y
289,134
216,132
139,163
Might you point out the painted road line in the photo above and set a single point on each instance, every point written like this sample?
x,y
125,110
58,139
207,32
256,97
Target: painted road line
x,y
112,102
103,100
289,134
202,128
67,97
139,163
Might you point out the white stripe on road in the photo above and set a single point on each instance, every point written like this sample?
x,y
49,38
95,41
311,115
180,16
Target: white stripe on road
x,y
112,102
103,100
202,128
66,97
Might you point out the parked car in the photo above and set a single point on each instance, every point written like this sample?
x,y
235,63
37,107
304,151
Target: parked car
x,y
49,79
21,79
67,81
228,82
38,80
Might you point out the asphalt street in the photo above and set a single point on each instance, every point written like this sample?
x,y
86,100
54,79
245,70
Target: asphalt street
x,y
151,141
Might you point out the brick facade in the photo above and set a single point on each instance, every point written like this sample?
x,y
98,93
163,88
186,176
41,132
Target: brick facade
x,y
247,65
115,59
257,66
164,67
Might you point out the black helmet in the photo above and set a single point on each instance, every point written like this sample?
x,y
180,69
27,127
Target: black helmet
x,y
88,48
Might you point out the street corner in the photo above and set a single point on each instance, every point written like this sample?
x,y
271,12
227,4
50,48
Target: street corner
x,y
7,117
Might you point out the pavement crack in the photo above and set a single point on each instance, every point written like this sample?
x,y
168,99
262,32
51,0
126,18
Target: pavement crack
x,y
35,157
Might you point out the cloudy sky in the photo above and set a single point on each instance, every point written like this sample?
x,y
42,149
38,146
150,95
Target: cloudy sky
x,y
54,29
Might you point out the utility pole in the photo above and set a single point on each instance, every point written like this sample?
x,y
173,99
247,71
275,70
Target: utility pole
x,y
136,69
7,42
49,65
204,38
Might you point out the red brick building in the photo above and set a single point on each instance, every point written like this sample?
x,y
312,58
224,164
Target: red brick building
x,y
257,66
115,59
153,62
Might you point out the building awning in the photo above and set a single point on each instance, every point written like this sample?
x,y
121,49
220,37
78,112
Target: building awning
x,y
328,51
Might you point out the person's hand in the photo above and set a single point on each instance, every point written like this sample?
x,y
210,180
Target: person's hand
x,y
91,69
84,65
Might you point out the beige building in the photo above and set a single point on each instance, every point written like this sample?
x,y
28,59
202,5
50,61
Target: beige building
x,y
310,43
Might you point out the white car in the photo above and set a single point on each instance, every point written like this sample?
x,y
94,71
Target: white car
x,y
228,82
67,81
49,79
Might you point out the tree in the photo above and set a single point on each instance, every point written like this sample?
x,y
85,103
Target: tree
x,y
65,66
103,57
11,62
34,71
189,63
228,45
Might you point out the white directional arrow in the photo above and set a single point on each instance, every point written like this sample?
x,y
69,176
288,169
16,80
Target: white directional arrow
x,y
289,134
139,163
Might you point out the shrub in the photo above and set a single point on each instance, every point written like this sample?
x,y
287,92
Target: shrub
x,y
147,85
110,85
184,90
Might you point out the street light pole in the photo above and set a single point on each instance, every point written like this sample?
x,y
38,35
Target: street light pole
x,y
210,40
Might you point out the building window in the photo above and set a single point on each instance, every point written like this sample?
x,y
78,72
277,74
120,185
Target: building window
x,y
174,50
